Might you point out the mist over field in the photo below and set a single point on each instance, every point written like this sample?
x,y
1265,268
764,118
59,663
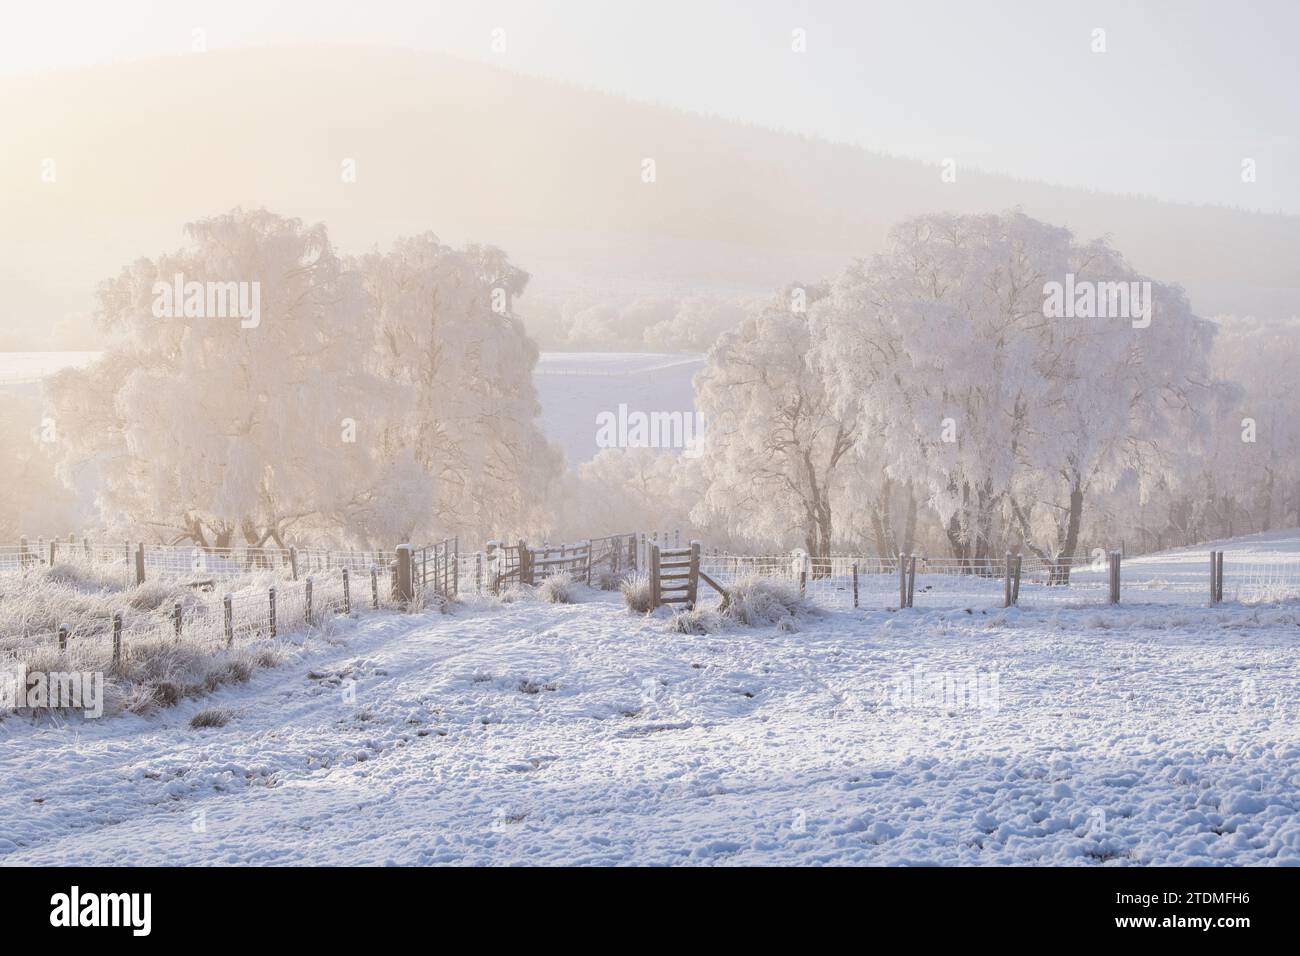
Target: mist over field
x,y
546,170
682,434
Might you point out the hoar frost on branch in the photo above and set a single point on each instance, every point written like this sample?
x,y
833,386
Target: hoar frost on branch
x,y
933,368
377,399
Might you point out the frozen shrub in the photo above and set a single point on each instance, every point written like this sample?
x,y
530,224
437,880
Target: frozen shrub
x,y
558,589
38,601
636,594
431,600
695,621
759,601
84,577
152,595
608,580
211,717
268,655
516,592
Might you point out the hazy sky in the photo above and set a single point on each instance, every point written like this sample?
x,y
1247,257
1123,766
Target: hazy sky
x,y
1184,92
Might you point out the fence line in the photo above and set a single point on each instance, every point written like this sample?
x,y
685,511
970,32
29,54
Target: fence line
x,y
379,578
227,622
867,581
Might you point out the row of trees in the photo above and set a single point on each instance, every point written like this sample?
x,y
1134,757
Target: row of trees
x,y
603,321
920,400
926,399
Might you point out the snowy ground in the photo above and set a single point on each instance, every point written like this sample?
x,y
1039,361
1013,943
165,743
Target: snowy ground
x,y
535,733
575,387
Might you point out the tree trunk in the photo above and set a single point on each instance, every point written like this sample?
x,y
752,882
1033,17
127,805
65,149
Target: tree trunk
x,y
1267,504
878,532
1061,573
909,524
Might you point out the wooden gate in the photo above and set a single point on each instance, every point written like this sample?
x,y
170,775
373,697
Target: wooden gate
x,y
675,575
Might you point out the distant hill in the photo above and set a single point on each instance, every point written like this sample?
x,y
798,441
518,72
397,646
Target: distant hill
x,y
548,171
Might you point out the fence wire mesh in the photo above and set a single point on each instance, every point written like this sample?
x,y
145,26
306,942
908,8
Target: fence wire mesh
x,y
309,583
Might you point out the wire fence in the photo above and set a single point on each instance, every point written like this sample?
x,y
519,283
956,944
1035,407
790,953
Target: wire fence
x,y
213,623
279,590
868,581
136,563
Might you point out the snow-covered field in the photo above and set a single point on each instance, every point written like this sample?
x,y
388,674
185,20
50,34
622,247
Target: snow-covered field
x,y
537,733
575,387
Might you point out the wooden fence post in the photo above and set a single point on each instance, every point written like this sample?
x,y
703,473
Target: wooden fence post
x,y
653,550
1114,577
1214,577
693,582
54,550
1006,583
374,588
1220,576
405,586
63,638
139,563
855,584
902,581
478,572
455,566
911,579
306,614
1015,586
117,640
177,618
525,563
22,551
347,593
228,613
293,561
271,597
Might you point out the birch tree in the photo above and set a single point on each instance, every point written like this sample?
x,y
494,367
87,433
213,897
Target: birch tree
x,y
371,401
1009,417
774,450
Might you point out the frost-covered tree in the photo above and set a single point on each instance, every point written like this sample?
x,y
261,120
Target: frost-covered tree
x,y
459,366
696,323
368,402
32,500
1252,479
597,321
631,489
774,450
209,425
1008,416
